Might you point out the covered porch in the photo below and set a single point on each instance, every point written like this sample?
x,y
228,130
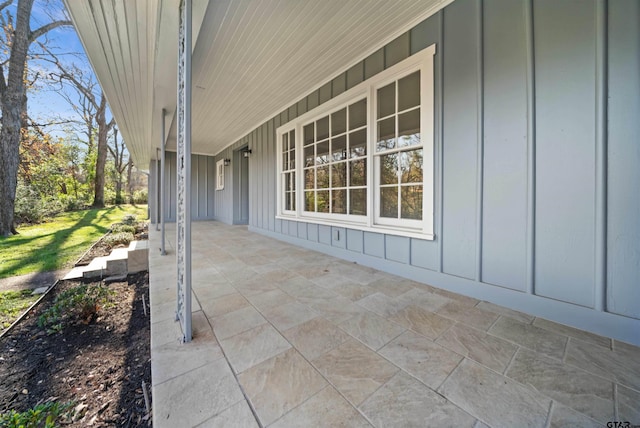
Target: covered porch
x,y
284,336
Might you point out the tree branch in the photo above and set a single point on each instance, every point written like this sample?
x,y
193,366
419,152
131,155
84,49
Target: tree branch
x,y
113,153
5,4
35,78
62,122
83,87
33,35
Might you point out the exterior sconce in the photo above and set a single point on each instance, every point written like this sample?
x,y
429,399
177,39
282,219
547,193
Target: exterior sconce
x,y
246,153
227,162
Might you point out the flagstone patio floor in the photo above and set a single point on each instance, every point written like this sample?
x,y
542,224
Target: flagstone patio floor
x,y
288,337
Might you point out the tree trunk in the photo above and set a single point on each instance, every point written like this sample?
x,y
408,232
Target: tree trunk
x,y
129,183
13,97
101,161
119,199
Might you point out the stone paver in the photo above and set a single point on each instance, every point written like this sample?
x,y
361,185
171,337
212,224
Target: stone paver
x,y
287,337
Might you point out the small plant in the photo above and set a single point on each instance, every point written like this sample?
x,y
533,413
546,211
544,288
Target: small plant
x,y
81,302
129,220
43,415
120,238
118,228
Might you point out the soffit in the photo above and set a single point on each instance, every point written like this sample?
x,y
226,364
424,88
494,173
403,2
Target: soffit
x,y
255,58
119,38
251,58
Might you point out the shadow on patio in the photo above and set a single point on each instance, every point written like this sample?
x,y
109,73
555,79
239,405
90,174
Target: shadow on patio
x,y
285,336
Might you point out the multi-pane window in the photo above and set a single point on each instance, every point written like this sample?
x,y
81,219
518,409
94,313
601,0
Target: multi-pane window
x,y
398,146
220,175
289,170
335,163
366,157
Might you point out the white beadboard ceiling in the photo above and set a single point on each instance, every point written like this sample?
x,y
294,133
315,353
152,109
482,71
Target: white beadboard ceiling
x,y
251,58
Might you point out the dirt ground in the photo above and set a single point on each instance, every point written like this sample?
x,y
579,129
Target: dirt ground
x,y
99,366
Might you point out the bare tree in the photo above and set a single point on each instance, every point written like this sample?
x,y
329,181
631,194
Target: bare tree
x,y
83,105
13,99
117,151
93,107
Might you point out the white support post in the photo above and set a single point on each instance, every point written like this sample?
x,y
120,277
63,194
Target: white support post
x,y
157,190
183,220
162,185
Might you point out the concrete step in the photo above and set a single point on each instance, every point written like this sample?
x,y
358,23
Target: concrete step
x,y
138,256
121,261
117,262
76,273
96,268
116,267
138,245
118,254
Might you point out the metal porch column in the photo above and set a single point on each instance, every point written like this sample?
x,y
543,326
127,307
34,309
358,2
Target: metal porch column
x,y
155,196
183,220
162,185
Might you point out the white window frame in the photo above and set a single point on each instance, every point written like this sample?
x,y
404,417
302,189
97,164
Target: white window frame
x,y
279,194
424,228
220,175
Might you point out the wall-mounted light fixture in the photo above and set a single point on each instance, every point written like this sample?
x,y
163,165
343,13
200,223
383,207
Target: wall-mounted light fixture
x,y
246,153
227,162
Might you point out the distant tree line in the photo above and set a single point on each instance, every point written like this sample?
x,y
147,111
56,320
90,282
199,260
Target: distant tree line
x,y
57,175
41,175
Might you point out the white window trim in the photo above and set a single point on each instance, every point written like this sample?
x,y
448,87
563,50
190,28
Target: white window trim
x,y
291,126
220,175
424,228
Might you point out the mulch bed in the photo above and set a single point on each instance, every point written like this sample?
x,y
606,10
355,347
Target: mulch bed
x,y
99,366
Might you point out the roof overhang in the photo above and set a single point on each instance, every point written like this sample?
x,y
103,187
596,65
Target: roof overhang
x,y
251,59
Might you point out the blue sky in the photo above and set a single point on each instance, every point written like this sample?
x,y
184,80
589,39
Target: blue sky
x,y
45,104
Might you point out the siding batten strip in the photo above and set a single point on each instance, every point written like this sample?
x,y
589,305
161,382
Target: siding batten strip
x,y
480,125
601,157
531,148
440,142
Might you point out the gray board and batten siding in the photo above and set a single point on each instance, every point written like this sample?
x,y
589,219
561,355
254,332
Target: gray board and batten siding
x,y
202,187
537,161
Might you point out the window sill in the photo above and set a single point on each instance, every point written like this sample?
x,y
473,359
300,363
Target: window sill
x,y
387,230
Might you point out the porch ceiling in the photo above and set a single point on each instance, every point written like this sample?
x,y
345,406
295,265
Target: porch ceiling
x,y
251,59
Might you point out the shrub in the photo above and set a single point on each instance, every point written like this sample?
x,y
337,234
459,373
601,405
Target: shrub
x,y
51,207
109,196
71,203
129,220
119,228
27,206
43,415
140,196
80,302
30,207
120,238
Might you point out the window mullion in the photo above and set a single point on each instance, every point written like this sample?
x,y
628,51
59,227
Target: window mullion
x,y
330,162
299,179
397,147
315,169
372,184
347,157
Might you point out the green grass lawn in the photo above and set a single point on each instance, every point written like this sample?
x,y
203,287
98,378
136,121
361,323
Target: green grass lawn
x,y
12,304
58,243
